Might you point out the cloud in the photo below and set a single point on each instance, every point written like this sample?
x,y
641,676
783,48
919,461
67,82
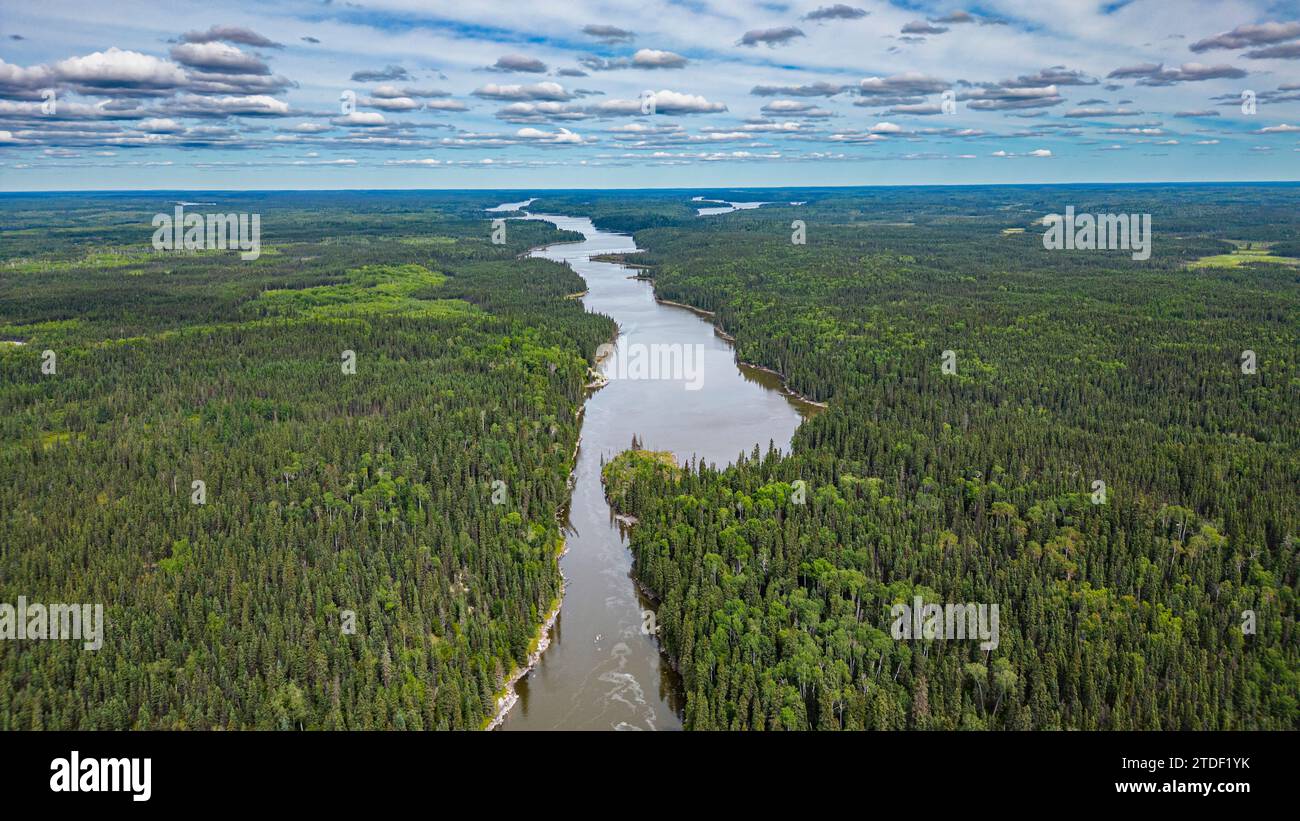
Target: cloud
x,y
218,83
392,103
640,128
641,134
156,125
794,108
608,34
533,112
839,11
538,91
221,79
1249,35
653,58
1037,152
1092,113
992,97
23,83
922,27
1286,51
218,57
665,102
468,140
364,119
909,83
519,62
562,137
917,109
116,70
856,137
251,105
1154,74
207,135
770,37
445,105
230,34
762,126
817,89
392,92
1285,92
646,58
1056,75
1139,70
386,73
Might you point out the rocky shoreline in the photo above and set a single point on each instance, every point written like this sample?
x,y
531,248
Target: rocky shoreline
x,y
511,696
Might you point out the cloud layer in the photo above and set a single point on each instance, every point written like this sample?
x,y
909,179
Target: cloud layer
x,y
614,84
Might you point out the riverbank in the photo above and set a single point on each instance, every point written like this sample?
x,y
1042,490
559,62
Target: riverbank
x,y
598,379
541,641
692,308
785,383
619,259
627,522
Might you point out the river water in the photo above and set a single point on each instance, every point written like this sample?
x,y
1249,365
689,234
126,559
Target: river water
x,y
601,671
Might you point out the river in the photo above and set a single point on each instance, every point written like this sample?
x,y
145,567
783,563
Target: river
x,y
601,671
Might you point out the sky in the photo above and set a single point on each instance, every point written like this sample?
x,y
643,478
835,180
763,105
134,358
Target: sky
x,y
305,94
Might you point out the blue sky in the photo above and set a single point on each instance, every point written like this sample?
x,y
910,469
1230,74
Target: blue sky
x,y
588,93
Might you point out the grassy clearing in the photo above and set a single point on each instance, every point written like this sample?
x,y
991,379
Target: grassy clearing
x,y
1244,252
117,258
372,289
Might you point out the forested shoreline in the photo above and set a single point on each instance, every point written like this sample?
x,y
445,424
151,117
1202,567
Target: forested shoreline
x,y
978,486
419,492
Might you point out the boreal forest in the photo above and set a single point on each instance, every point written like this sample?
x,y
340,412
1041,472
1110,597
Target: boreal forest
x,y
1100,459
375,422
324,491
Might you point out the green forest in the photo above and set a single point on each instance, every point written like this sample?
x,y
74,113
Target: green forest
x,y
379,416
324,491
1124,610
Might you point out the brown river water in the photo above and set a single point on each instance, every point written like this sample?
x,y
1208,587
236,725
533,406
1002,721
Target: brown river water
x,y
602,670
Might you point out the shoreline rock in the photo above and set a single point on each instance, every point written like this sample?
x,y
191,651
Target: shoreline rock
x,y
511,696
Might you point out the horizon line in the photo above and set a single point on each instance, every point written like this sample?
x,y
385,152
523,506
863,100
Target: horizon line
x,y
655,188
